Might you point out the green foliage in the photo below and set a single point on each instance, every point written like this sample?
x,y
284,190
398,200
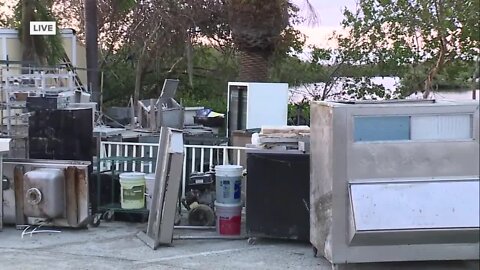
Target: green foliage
x,y
299,113
212,70
44,49
420,38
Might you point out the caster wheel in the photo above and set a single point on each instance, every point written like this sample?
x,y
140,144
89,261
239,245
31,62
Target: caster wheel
x,y
315,251
252,241
108,216
95,220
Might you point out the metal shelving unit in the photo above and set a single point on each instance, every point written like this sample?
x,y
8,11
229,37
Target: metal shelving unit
x,y
16,87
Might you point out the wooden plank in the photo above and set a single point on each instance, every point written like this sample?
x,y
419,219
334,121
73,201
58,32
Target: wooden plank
x,y
19,206
71,196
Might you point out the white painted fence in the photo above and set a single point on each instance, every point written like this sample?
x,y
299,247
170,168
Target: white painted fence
x,y
141,157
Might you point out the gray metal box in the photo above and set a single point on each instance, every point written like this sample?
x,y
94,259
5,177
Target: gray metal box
x,y
395,181
44,193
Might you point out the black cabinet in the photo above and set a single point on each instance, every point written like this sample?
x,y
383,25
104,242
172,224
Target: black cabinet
x,y
277,198
64,134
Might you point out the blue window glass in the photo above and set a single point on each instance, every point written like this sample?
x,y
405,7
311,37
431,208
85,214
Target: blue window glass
x,y
382,128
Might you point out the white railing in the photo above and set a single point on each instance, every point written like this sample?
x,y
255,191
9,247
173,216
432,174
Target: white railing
x,y
141,157
125,156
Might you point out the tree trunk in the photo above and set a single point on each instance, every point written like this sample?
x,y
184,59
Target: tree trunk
x,y
253,67
91,40
28,52
138,81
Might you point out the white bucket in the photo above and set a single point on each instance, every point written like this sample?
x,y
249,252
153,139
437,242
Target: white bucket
x,y
229,218
228,180
132,190
149,185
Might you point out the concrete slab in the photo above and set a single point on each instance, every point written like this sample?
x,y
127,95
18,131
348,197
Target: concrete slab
x,y
115,246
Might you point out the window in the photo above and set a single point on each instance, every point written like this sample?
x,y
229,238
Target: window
x,y
382,128
422,127
442,127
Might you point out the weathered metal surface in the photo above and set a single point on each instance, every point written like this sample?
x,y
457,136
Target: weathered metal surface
x,y
418,205
76,170
338,160
43,193
18,185
71,196
166,189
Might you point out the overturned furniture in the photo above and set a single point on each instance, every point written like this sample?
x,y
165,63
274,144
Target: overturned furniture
x,y
49,192
395,181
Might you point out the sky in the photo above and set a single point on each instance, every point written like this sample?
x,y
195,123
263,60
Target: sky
x,y
329,15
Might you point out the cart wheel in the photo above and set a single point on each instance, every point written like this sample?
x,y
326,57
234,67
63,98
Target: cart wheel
x,y
108,216
252,241
315,251
95,220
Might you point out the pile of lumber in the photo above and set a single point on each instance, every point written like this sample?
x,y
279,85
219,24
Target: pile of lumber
x,y
284,137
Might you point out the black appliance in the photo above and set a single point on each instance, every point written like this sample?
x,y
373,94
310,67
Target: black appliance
x,y
64,134
278,195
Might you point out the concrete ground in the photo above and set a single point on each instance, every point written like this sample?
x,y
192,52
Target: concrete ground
x,y
115,246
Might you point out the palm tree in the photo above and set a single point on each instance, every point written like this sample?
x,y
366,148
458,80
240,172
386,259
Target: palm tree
x,y
257,26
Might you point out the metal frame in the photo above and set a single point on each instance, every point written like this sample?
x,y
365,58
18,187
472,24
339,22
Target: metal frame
x,y
167,183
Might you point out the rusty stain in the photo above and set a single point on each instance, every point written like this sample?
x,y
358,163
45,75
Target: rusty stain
x,y
71,196
18,184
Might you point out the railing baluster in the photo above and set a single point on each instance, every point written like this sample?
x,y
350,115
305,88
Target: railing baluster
x,y
225,156
142,153
125,154
210,163
150,164
134,156
109,154
202,158
117,154
238,156
193,159
184,172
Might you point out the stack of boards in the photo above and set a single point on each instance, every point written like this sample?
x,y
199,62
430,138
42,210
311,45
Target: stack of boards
x,y
284,138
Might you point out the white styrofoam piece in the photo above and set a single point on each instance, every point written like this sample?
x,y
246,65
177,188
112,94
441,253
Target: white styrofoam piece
x,y
176,142
415,205
5,144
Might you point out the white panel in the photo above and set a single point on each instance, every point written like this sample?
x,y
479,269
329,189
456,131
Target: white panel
x,y
416,205
176,142
441,127
267,104
4,145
